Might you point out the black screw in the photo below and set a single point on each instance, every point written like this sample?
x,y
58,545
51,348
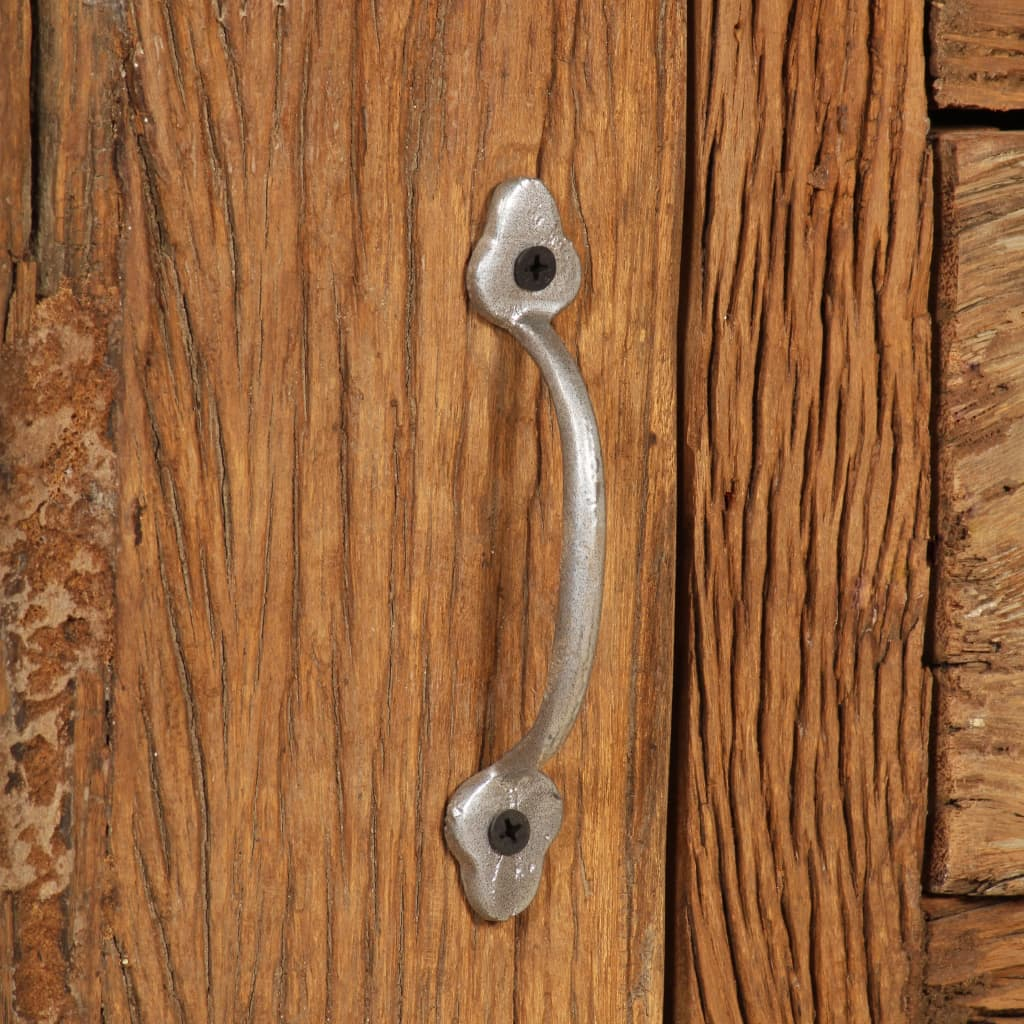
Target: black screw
x,y
535,268
509,832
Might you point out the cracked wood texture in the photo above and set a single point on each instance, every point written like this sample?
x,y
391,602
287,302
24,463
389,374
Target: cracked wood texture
x,y
59,339
975,960
978,844
803,783
340,507
977,53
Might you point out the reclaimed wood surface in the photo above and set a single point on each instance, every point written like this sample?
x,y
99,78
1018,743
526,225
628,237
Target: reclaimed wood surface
x,y
16,151
978,613
340,508
975,961
59,316
977,53
803,782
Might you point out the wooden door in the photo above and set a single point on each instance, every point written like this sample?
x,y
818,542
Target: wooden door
x,y
280,517
281,538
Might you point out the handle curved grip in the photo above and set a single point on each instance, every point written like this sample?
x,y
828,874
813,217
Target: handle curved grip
x,y
500,823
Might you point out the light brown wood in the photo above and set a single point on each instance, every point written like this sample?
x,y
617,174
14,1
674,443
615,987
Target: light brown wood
x,y
979,578
58,498
975,962
339,527
977,53
806,394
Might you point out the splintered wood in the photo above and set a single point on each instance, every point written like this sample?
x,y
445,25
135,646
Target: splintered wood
x,y
977,53
979,577
974,969
58,513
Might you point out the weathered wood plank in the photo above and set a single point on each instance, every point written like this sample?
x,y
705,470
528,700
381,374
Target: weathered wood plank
x,y
979,578
15,131
16,148
978,839
76,95
58,497
340,526
806,390
57,517
977,53
975,962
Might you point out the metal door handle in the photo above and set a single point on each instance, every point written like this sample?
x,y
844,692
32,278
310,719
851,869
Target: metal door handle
x,y
500,823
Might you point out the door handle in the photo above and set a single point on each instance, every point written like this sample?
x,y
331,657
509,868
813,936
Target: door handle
x,y
500,823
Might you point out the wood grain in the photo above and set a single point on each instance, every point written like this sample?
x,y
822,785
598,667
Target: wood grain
x,y
58,497
340,508
977,53
76,97
979,580
15,130
975,962
16,151
806,395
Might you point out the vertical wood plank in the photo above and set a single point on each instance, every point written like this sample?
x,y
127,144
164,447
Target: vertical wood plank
x,y
15,130
340,509
59,227
806,398
979,576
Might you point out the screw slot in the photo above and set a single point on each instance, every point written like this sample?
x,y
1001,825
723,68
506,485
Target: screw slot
x,y
509,832
535,268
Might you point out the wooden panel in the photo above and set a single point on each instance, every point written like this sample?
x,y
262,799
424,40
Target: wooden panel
x,y
340,509
979,581
975,963
58,497
806,384
977,53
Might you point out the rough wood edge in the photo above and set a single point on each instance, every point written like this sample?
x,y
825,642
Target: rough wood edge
x,y
977,55
967,826
975,959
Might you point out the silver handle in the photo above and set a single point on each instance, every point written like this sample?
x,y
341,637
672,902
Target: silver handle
x,y
500,823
